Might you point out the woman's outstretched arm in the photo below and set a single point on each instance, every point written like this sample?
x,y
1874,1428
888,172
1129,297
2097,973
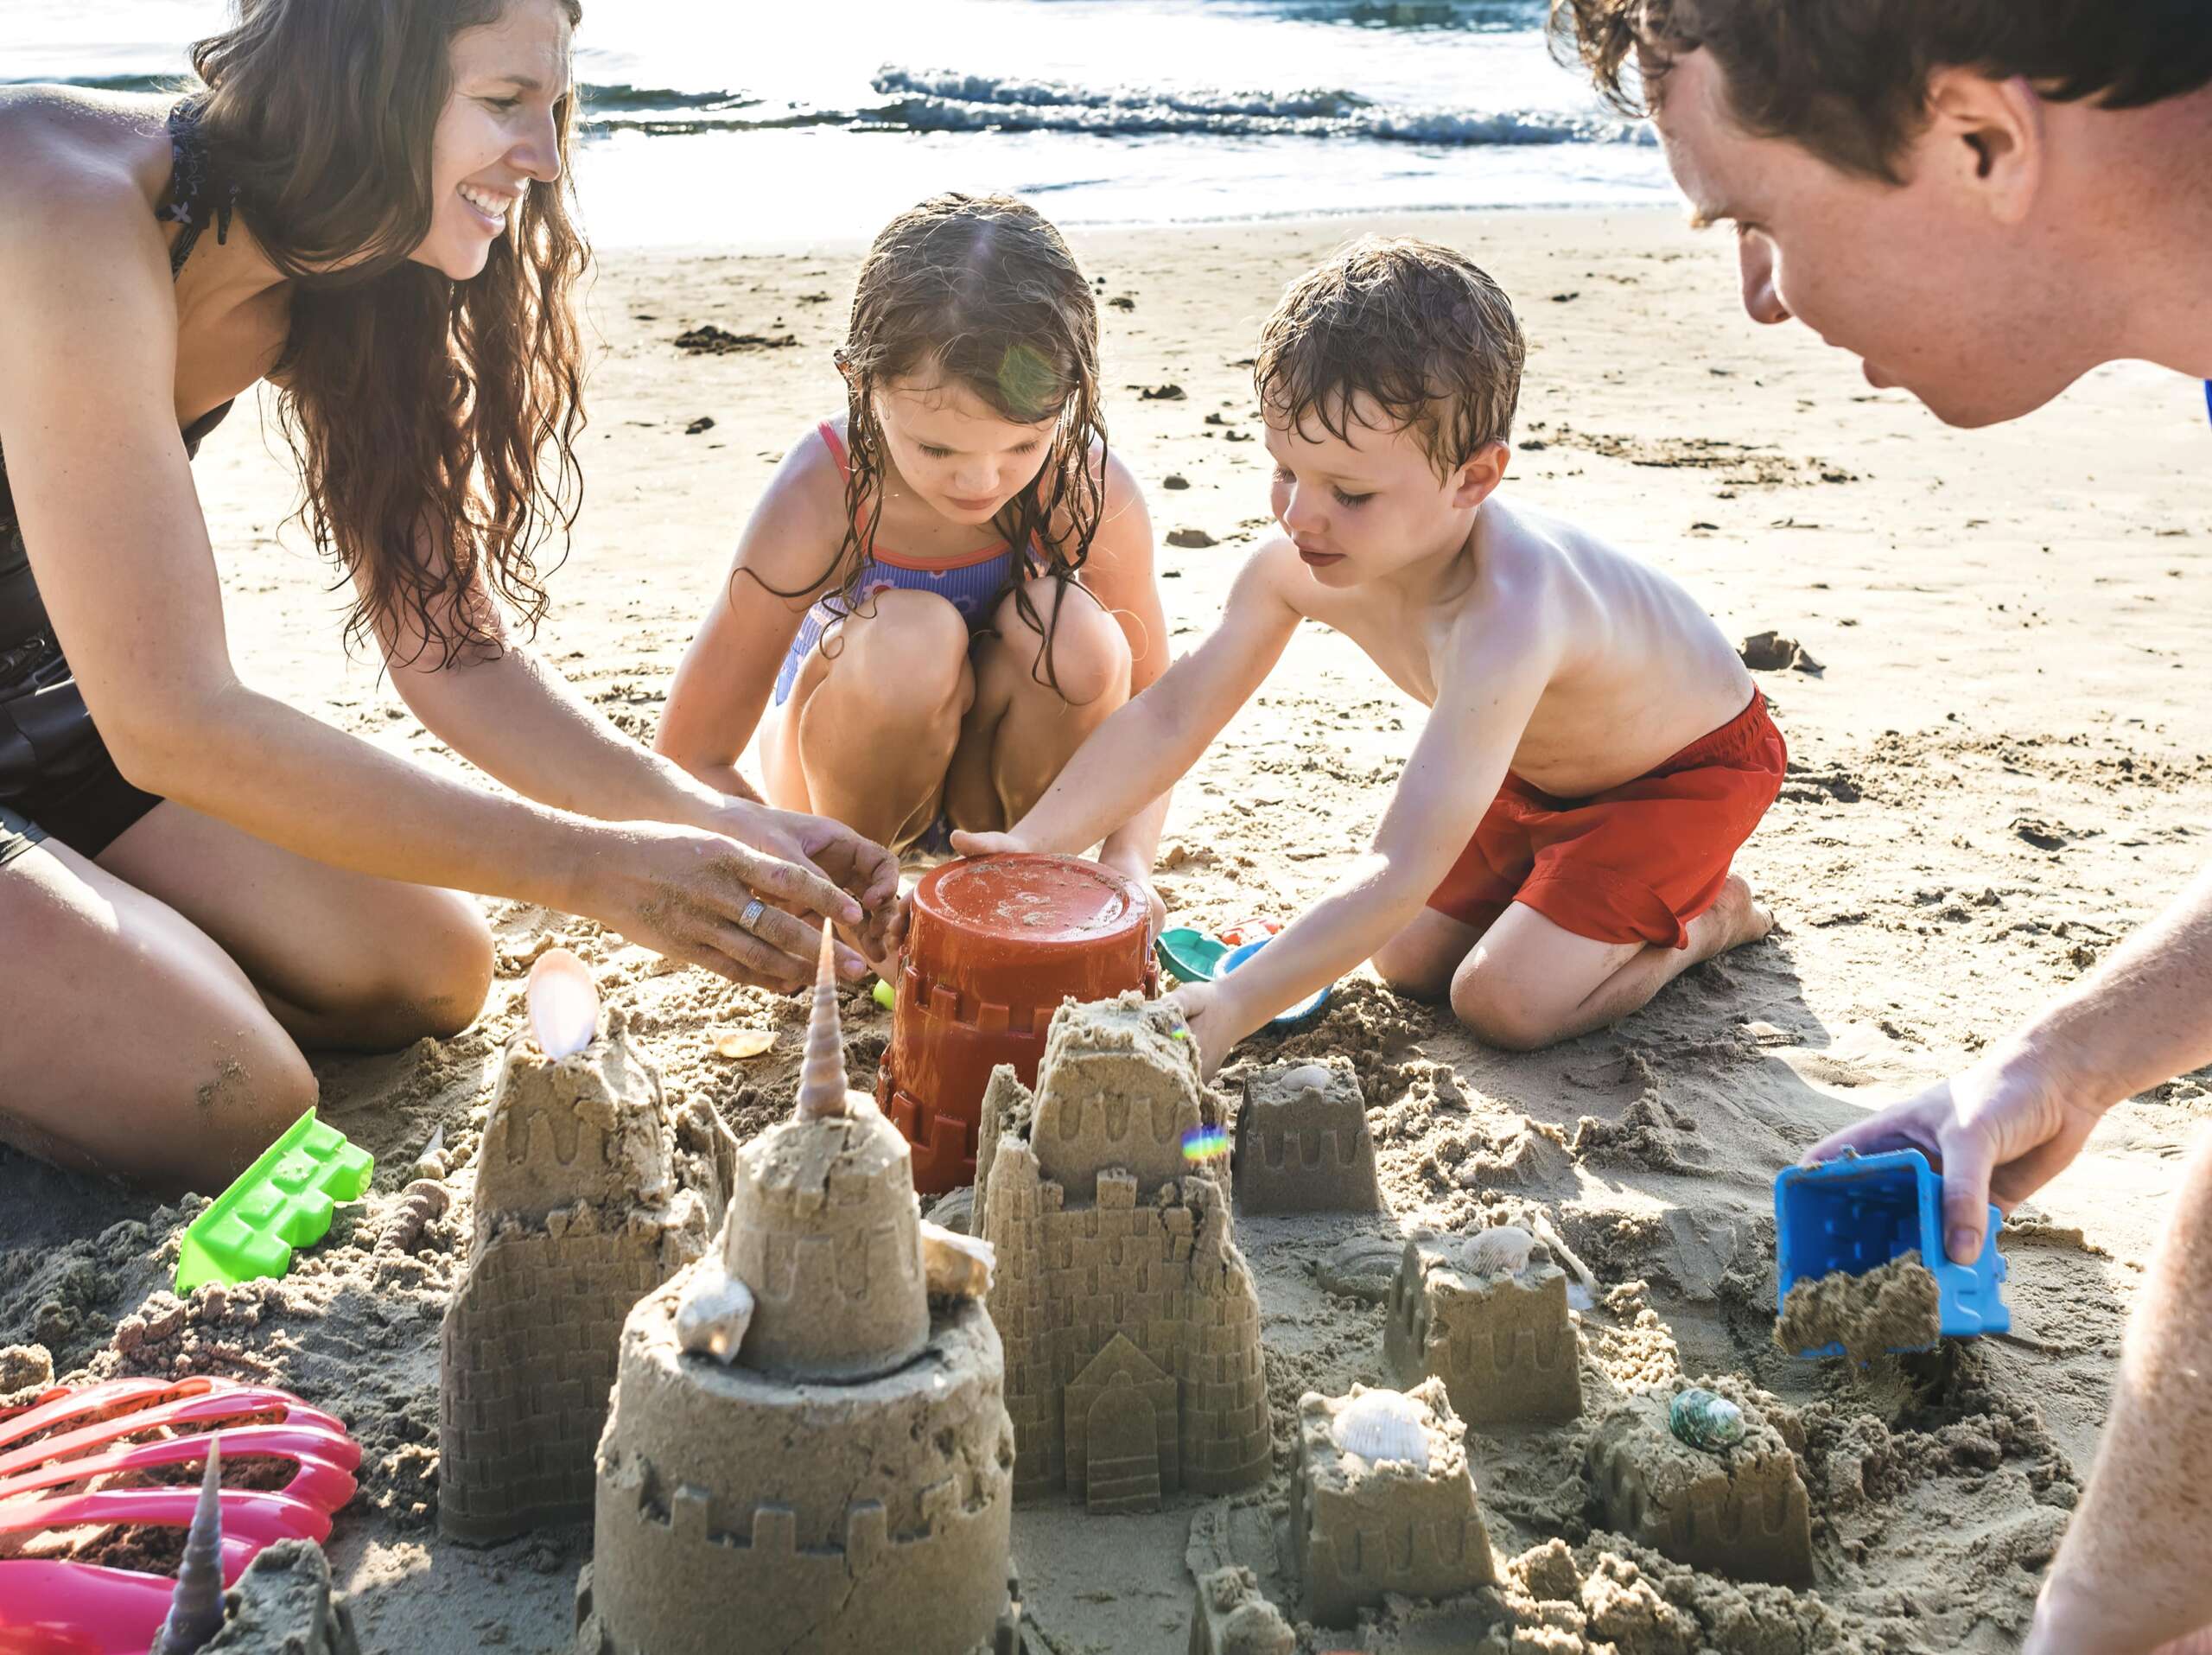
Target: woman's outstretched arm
x,y
104,496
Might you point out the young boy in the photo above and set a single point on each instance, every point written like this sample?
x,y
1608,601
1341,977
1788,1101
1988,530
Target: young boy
x,y
1558,846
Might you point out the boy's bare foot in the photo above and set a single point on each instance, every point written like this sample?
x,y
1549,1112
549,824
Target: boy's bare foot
x,y
1737,917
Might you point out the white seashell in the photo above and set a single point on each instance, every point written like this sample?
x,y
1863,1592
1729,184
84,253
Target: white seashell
x,y
196,1606
713,1310
821,1094
1307,1076
1384,1425
564,1004
956,1266
1502,1251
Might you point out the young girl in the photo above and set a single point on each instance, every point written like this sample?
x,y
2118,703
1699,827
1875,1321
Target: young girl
x,y
944,591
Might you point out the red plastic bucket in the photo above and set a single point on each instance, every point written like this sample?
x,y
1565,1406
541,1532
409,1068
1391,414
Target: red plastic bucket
x,y
992,947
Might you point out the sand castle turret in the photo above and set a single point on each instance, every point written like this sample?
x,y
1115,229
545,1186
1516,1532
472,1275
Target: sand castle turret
x,y
806,1444
1131,1324
590,1191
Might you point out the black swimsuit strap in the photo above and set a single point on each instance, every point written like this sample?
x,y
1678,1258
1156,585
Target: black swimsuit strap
x,y
195,199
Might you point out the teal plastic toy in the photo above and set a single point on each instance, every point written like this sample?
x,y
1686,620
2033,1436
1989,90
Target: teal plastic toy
x,y
281,1201
1191,955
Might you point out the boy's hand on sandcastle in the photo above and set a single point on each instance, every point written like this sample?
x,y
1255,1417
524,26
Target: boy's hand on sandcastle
x,y
1212,1032
1998,1131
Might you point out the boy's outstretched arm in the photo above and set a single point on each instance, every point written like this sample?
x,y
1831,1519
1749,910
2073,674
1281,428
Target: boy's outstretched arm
x,y
1491,683
1145,748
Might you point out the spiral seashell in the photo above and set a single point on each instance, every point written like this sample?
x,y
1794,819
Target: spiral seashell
x,y
956,1266
564,1004
196,1608
419,1203
822,1072
1503,1249
1384,1425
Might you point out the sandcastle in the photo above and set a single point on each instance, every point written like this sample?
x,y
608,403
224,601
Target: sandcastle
x,y
1738,1510
1302,1143
1131,1324
808,1449
1384,1501
1487,1314
590,1191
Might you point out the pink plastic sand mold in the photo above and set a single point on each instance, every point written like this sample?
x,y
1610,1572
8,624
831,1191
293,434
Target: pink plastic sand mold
x,y
73,1439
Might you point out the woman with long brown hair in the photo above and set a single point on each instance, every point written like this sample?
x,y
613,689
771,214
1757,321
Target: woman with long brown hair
x,y
363,205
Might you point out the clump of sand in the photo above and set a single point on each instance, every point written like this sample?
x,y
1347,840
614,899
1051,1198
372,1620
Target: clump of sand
x,y
1894,1306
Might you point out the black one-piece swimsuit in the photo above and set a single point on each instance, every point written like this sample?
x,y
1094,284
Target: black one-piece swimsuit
x,y
56,778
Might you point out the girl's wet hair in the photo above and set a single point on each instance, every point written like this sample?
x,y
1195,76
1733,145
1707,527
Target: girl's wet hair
x,y
435,422
979,291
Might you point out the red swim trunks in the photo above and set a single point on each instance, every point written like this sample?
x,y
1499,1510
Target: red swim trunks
x,y
1635,863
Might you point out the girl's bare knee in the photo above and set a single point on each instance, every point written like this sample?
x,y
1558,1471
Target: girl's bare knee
x,y
904,657
1081,656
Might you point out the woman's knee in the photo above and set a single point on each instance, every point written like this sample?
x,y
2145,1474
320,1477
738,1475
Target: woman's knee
x,y
422,967
1073,649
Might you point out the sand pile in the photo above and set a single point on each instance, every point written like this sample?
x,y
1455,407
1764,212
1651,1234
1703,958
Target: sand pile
x,y
1895,1307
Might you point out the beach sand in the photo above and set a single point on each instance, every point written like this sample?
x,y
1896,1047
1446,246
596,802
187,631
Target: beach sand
x,y
2000,768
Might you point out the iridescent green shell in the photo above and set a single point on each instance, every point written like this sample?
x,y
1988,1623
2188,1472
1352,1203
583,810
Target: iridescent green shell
x,y
1705,1420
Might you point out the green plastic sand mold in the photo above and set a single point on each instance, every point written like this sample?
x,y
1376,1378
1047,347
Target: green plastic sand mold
x,y
281,1201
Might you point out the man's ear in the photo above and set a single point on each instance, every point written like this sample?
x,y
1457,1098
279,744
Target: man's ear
x,y
1474,482
1987,136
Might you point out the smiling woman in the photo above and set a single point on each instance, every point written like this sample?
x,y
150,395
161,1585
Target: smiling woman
x,y
196,881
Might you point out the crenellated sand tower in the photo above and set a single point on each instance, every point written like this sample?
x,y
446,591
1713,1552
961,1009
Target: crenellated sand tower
x,y
809,1447
1131,1324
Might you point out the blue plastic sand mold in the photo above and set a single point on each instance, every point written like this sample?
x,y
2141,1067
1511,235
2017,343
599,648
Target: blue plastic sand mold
x,y
284,1200
1861,1211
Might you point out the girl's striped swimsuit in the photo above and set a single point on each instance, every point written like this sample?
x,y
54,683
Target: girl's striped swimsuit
x,y
972,585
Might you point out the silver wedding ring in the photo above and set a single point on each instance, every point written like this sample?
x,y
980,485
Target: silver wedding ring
x,y
751,917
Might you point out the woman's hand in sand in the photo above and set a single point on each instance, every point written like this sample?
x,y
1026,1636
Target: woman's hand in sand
x,y
858,865
680,892
1999,1130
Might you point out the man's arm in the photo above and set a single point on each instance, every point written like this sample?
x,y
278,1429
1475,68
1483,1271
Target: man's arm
x,y
1141,752
2003,1128
1497,672
2132,1573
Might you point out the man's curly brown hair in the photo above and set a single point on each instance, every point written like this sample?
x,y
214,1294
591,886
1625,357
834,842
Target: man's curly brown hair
x,y
1414,325
1847,80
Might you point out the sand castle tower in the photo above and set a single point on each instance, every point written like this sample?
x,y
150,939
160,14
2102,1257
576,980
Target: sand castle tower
x,y
590,1191
1131,1324
809,1449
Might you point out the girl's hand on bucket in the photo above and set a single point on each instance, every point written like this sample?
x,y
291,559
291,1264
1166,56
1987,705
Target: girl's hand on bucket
x,y
986,845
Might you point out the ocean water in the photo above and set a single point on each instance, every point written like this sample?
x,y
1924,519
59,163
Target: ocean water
x,y
735,122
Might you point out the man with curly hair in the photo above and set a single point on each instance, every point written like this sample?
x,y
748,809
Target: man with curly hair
x,y
1983,199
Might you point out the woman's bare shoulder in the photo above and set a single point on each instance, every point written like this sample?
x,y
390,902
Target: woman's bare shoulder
x,y
79,168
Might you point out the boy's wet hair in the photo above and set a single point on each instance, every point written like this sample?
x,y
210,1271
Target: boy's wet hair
x,y
1413,324
980,291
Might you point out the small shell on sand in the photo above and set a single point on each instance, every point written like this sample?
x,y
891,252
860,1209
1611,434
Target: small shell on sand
x,y
196,1604
564,1004
714,1311
745,1042
1382,1425
1503,1249
956,1266
1307,1077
